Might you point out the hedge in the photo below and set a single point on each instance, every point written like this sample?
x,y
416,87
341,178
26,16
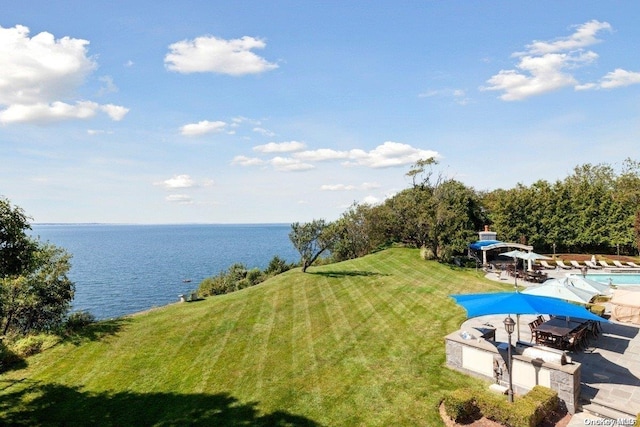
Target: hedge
x,y
527,411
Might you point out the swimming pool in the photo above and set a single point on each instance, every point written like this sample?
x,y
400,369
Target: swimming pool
x,y
618,279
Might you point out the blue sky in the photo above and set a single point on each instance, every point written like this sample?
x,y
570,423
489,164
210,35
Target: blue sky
x,y
254,111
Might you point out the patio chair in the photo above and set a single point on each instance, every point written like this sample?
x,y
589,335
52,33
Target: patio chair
x,y
577,340
618,264
546,265
534,334
576,264
561,264
590,264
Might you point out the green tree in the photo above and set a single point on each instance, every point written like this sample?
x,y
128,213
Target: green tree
x,y
457,215
311,239
16,247
39,300
35,292
352,234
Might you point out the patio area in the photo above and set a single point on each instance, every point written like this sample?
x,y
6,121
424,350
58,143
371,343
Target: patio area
x,y
610,378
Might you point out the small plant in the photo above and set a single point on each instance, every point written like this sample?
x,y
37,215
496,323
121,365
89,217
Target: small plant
x,y
79,320
33,344
460,405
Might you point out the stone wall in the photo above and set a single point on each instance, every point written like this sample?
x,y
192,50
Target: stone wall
x,y
489,360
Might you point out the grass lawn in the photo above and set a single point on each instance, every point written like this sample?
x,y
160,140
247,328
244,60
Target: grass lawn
x,y
355,343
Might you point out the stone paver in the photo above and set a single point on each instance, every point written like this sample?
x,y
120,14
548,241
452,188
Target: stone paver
x,y
610,365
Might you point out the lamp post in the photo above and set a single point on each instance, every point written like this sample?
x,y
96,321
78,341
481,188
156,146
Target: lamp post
x,y
509,325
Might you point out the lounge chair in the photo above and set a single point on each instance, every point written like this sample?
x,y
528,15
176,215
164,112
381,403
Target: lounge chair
x,y
575,264
546,265
561,264
633,264
591,264
619,264
605,264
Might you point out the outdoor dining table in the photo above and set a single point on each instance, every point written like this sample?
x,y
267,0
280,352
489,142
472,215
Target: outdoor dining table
x,y
559,328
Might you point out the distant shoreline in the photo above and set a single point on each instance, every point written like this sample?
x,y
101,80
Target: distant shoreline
x,y
222,224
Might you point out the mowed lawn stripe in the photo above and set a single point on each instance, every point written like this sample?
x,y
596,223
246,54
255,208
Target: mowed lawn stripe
x,y
354,343
203,372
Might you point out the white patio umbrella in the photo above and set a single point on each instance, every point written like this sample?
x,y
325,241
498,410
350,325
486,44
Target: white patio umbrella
x,y
514,254
532,256
562,290
588,284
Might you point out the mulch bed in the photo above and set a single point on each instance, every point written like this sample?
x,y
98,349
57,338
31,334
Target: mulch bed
x,y
557,419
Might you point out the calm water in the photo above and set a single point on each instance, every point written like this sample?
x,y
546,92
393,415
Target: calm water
x,y
123,269
618,279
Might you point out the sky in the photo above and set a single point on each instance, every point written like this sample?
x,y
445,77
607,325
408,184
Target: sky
x,y
157,111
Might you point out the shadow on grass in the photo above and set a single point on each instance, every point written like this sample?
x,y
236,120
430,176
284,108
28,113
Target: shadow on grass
x,y
346,273
34,404
97,331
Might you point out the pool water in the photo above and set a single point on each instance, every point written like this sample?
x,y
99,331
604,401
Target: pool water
x,y
618,279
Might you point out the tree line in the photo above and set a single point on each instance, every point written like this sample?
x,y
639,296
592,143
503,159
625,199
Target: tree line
x,y
596,209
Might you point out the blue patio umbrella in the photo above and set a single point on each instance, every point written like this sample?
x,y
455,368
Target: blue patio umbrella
x,y
519,303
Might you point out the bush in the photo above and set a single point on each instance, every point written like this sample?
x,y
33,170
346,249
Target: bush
x,y
277,265
33,344
254,276
79,320
460,405
527,411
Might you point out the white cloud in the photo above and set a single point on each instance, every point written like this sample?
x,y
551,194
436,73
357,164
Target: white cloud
x,y
337,187
619,78
45,113
181,199
585,35
39,74
390,154
246,161
280,147
202,127
178,181
98,132
287,164
212,54
349,187
264,132
322,154
116,112
459,96
371,200
108,85
370,185
548,66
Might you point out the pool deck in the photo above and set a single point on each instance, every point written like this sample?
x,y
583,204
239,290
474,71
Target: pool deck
x,y
610,365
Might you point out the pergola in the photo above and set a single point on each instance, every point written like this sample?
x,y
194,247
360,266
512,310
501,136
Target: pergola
x,y
490,245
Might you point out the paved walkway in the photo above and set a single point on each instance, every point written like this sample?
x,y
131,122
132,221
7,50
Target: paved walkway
x,y
610,365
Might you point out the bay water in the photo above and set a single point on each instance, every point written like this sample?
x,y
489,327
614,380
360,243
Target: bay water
x,y
123,269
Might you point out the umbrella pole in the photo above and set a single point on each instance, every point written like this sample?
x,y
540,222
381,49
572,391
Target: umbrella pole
x,y
518,323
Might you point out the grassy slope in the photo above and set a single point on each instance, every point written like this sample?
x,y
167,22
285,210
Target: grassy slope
x,y
355,343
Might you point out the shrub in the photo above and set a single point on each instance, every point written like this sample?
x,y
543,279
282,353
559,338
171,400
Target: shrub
x,y
254,276
79,320
277,265
494,406
460,405
527,411
33,344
